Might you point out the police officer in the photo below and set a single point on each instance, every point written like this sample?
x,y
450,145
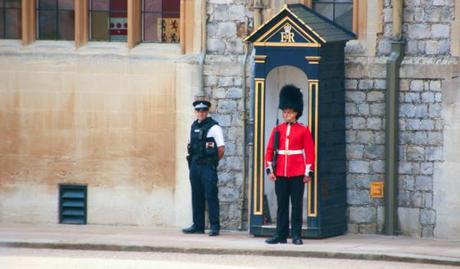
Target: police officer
x,y
205,149
294,165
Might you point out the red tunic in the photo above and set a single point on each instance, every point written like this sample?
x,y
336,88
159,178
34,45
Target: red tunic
x,y
296,151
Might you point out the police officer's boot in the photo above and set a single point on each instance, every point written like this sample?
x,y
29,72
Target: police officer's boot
x,y
213,232
193,230
297,240
276,240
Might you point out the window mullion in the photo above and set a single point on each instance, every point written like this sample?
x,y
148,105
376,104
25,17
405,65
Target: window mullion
x,y
81,22
182,19
134,26
356,17
28,21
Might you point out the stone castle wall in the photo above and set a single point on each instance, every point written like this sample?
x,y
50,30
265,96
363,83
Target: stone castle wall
x,y
427,69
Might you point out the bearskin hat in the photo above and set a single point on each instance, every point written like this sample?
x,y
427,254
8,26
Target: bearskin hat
x,y
291,97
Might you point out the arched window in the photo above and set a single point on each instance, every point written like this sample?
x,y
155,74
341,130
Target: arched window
x,y
133,21
10,19
339,11
349,14
108,20
161,21
55,19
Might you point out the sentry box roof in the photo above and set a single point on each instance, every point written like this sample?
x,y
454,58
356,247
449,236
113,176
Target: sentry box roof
x,y
298,25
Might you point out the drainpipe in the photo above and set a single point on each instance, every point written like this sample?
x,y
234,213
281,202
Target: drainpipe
x,y
201,93
250,135
392,122
244,135
249,125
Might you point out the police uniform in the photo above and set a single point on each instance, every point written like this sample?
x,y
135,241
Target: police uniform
x,y
205,139
295,159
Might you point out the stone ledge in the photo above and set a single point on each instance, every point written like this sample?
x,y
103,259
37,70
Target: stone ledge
x,y
419,259
149,239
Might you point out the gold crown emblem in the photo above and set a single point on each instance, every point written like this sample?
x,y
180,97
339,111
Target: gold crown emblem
x,y
287,28
287,36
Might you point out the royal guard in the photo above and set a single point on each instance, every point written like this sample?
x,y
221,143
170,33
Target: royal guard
x,y
289,163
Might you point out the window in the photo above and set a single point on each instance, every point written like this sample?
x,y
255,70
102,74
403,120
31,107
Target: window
x,y
56,19
10,19
161,21
339,11
108,20
133,21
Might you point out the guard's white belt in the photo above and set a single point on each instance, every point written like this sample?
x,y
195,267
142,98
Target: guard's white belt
x,y
290,152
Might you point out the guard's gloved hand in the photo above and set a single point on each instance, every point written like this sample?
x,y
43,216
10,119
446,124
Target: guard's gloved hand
x,y
189,161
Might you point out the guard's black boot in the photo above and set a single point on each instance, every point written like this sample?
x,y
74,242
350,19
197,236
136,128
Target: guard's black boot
x,y
297,241
276,240
214,233
192,230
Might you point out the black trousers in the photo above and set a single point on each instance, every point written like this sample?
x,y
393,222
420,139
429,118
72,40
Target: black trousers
x,y
293,188
203,179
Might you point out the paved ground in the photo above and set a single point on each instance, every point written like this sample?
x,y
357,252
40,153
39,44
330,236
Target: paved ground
x,y
141,239
18,258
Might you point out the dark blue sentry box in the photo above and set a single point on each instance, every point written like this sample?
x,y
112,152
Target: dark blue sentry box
x,y
301,38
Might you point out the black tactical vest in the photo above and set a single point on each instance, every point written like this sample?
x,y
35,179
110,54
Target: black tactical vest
x,y
203,149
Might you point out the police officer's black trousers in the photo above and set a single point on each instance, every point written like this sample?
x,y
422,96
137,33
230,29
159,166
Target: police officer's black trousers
x,y
203,178
285,188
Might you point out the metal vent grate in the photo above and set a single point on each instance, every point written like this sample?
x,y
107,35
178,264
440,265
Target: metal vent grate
x,y
72,204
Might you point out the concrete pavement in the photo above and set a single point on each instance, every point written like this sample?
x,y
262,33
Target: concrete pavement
x,y
21,258
144,239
